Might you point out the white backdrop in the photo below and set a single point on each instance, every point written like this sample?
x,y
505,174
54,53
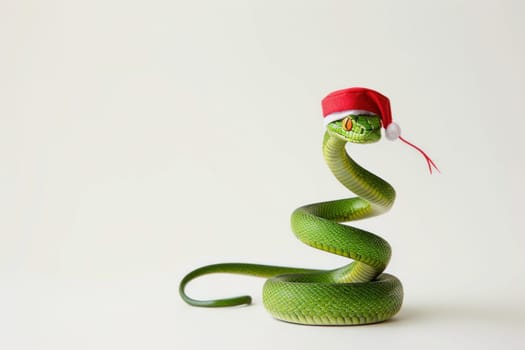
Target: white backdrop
x,y
142,139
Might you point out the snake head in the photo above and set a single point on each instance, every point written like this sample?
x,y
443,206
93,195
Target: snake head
x,y
357,128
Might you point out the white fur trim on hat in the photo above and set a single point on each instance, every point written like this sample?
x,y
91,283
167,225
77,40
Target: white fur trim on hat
x,y
332,117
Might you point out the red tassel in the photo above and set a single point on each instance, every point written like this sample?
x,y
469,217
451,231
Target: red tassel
x,y
430,163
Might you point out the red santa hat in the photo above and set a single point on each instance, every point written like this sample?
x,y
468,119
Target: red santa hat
x,y
358,100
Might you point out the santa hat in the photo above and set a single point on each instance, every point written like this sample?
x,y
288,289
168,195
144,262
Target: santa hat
x,y
357,100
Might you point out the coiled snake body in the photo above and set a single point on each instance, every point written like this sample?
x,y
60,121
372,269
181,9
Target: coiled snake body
x,y
357,293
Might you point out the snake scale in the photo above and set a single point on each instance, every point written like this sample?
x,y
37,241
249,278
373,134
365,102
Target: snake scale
x,y
357,293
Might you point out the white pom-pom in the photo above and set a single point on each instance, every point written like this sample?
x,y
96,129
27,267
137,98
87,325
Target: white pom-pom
x,y
392,131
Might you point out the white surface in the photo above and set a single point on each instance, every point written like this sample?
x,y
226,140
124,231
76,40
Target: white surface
x,y
140,140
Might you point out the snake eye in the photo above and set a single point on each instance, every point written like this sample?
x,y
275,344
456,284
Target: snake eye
x,y
347,124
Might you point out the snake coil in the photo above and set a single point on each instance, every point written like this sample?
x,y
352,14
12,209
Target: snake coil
x,y
357,293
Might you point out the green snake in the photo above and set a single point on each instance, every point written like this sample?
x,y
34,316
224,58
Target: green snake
x,y
357,293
